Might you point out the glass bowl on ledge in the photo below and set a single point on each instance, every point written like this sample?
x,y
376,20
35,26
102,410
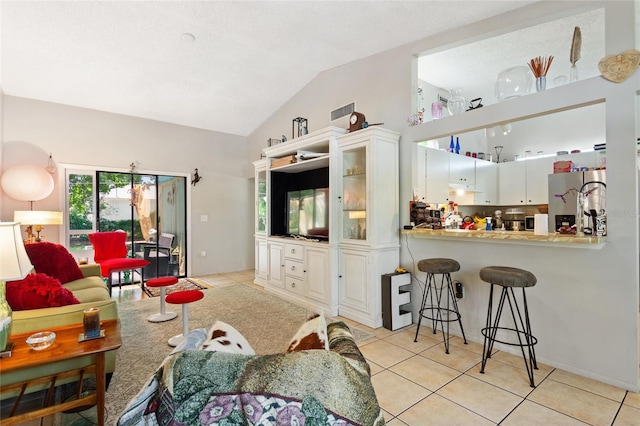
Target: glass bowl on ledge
x,y
513,82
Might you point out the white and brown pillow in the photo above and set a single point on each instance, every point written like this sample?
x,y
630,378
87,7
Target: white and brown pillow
x,y
311,335
224,338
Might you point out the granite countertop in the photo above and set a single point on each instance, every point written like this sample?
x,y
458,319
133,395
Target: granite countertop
x,y
523,237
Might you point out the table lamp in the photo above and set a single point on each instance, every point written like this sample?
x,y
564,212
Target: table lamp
x,y
14,265
36,219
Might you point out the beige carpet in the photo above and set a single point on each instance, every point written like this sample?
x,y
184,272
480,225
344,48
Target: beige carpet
x,y
266,321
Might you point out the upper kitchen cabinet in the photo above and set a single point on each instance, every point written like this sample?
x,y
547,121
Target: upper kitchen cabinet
x,y
436,177
524,182
462,172
486,191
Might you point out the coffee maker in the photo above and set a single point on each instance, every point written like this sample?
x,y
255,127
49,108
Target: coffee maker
x,y
514,220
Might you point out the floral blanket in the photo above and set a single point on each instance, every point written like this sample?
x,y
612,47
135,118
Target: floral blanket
x,y
311,387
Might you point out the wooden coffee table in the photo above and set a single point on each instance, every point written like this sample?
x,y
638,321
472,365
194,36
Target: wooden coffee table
x,y
66,347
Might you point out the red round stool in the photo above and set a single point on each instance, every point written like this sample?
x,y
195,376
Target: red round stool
x,y
162,282
183,298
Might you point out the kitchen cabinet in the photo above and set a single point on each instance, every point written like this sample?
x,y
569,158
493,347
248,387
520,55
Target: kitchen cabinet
x,y
486,183
524,182
436,178
512,183
462,172
537,182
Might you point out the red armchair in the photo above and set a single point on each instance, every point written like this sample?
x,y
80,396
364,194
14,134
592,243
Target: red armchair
x,y
110,252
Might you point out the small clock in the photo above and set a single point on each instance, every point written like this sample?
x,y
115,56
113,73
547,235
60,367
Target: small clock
x,y
356,121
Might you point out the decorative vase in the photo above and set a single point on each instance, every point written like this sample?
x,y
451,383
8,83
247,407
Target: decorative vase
x,y
513,82
456,104
5,317
541,83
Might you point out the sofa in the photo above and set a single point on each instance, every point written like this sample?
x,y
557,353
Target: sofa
x,y
211,378
53,263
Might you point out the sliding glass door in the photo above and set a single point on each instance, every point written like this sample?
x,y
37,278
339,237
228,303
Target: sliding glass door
x,y
151,209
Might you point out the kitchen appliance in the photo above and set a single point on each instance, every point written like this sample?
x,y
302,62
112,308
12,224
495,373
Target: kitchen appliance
x,y
514,220
529,223
563,198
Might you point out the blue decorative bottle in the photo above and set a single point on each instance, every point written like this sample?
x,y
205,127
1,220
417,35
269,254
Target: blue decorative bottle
x,y
457,146
452,146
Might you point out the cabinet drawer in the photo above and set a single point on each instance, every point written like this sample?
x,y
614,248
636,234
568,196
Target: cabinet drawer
x,y
293,284
293,268
293,251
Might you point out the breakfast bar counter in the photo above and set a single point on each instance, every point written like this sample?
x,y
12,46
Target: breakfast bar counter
x,y
514,237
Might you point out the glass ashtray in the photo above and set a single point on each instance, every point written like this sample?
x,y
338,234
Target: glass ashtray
x,y
41,340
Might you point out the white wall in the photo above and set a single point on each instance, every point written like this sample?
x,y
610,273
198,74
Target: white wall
x,y
77,136
586,303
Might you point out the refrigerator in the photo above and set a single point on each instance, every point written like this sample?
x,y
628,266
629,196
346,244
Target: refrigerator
x,y
563,200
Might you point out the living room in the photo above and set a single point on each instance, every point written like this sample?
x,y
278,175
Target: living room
x,y
32,129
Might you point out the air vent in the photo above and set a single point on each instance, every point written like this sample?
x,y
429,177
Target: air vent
x,y
341,112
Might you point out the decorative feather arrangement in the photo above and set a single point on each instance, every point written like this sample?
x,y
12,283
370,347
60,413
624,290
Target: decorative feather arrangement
x,y
540,65
576,46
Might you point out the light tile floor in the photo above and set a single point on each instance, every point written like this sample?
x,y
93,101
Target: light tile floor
x,y
418,384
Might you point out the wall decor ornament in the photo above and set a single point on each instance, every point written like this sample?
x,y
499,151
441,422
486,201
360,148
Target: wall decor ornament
x,y
619,67
302,127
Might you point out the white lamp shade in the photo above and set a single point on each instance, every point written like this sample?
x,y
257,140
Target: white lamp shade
x,y
27,183
37,217
14,262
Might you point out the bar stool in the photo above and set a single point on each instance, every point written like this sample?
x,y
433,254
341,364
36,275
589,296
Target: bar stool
x,y
508,278
183,298
437,311
162,282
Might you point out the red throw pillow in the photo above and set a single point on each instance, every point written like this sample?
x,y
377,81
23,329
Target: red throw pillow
x,y
54,260
38,291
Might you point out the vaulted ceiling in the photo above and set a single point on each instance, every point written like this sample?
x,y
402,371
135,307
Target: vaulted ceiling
x,y
219,65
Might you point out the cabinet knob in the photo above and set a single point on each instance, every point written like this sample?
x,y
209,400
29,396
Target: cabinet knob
x,y
293,268
293,285
293,251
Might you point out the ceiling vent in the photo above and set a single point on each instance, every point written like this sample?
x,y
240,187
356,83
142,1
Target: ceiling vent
x,y
343,111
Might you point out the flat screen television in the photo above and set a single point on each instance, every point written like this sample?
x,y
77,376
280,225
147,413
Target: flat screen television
x,y
308,213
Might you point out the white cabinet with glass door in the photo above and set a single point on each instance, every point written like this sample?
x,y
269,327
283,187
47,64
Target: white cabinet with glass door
x,y
369,224
260,231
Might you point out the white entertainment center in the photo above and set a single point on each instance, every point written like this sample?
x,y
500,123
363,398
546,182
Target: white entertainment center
x,y
335,268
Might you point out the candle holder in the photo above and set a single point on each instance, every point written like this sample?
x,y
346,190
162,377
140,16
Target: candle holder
x,y
302,128
91,322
